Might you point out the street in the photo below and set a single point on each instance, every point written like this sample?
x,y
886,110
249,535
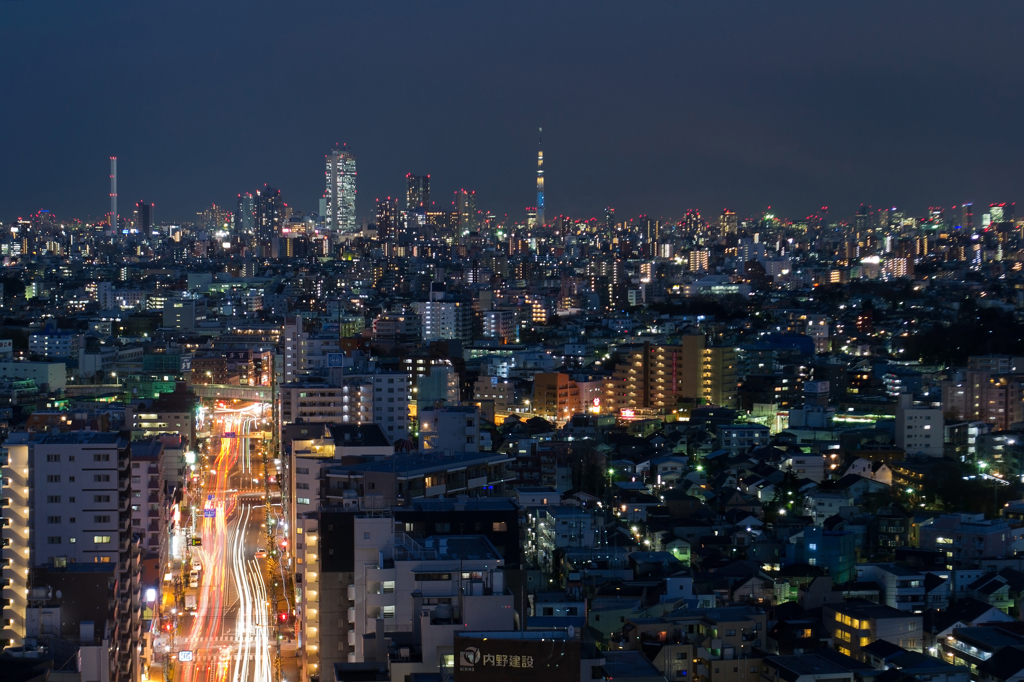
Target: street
x,y
232,633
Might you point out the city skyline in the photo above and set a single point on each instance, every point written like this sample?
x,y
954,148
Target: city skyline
x,y
729,112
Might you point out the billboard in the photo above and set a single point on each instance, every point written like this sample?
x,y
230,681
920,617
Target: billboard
x,y
479,659
816,387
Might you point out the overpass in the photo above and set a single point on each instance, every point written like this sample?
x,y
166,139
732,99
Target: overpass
x,y
256,394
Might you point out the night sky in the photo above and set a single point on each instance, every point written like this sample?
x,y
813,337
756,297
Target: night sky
x,y
651,107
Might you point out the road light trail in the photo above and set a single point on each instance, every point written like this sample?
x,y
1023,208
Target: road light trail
x,y
239,617
244,630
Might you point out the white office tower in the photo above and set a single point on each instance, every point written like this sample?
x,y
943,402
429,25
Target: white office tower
x,y
340,194
70,515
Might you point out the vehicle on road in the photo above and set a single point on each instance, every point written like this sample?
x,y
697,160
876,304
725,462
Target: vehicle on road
x,y
261,553
193,581
196,566
190,602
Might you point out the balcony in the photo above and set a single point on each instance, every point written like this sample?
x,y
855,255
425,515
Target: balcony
x,y
379,599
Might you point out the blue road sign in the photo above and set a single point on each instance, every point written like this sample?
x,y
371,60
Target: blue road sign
x,y
210,513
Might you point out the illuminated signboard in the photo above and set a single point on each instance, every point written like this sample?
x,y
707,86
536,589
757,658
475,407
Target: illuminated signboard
x,y
185,656
512,660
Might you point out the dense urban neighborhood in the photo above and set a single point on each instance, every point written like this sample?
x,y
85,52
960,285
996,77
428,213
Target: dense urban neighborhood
x,y
273,445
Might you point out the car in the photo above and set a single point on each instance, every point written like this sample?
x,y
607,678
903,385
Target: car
x,y
193,582
196,566
261,553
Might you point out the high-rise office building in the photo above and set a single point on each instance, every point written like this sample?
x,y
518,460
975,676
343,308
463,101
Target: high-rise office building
x,y
861,221
727,223
245,214
340,173
268,216
967,216
1001,213
651,229
387,219
143,217
609,218
213,218
465,210
417,193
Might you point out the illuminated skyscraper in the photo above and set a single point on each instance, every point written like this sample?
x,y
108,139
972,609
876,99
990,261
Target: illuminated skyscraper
x,y
245,214
1001,213
727,223
143,217
387,219
465,210
340,173
417,193
540,180
967,216
269,212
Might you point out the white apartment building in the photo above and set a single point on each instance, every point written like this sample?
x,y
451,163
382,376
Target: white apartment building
x,y
149,519
499,324
450,428
441,319
381,399
384,581
56,345
554,527
295,347
919,430
69,499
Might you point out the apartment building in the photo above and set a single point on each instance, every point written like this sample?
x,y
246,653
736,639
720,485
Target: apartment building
x,y
170,413
500,392
555,396
655,377
69,503
379,398
295,343
403,478
857,623
56,344
899,587
554,527
919,430
149,504
967,537
450,428
363,578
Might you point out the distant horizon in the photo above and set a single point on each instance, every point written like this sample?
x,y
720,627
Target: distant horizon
x,y
711,217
